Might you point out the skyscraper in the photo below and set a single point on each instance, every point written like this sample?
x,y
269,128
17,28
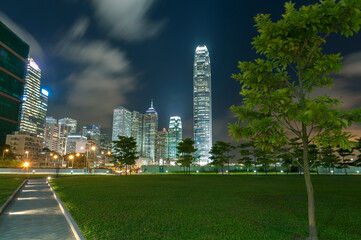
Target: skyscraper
x,y
67,126
202,104
51,136
13,58
122,122
161,147
175,135
150,128
137,129
33,109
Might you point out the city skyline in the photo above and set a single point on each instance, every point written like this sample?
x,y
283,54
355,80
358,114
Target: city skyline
x,y
138,65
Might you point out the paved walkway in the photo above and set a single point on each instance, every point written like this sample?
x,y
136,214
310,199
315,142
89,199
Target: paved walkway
x,y
34,214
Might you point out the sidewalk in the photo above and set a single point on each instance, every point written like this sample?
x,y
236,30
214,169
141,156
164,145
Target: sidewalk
x,y
34,214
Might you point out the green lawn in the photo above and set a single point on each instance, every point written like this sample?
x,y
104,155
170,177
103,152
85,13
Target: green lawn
x,y
211,206
7,187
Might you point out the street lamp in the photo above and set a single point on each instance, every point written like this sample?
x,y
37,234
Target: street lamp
x,y
27,155
71,157
5,150
87,154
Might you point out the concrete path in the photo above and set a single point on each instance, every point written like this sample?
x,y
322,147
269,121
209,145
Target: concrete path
x,y
34,214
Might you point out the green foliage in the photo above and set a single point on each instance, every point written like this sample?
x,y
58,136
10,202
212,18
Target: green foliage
x,y
185,152
276,89
220,153
210,207
124,151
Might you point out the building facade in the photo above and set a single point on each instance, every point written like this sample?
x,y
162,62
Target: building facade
x,y
51,135
25,145
150,128
76,143
34,107
122,122
175,134
67,126
161,147
13,61
137,130
202,104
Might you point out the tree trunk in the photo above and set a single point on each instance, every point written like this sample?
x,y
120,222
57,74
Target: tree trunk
x,y
309,187
276,168
222,169
317,170
126,170
265,167
130,170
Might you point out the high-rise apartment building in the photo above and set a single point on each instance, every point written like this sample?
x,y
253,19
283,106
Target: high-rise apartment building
x,y
33,109
175,135
150,128
122,123
202,104
13,60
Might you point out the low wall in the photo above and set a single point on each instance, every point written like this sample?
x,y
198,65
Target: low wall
x,y
54,171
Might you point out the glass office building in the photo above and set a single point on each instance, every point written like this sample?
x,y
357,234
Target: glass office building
x,y
13,61
122,123
150,128
34,107
202,104
175,135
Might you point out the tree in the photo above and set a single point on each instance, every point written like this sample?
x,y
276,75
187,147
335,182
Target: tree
x,y
357,147
220,154
344,153
313,156
276,89
185,153
245,155
124,152
329,158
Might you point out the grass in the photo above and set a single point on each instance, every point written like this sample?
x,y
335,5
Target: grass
x,y
211,206
7,187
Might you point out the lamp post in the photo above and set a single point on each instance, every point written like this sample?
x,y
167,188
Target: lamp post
x,y
87,154
71,157
5,150
27,155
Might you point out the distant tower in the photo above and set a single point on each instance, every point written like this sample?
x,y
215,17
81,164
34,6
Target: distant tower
x,y
122,123
175,135
202,104
34,107
150,128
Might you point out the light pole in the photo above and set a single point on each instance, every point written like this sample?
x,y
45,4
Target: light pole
x,y
27,155
87,154
71,157
5,150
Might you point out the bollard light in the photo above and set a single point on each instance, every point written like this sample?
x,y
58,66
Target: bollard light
x,y
281,171
49,178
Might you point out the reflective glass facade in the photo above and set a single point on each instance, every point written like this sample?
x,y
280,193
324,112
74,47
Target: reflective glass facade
x,y
175,135
137,129
34,107
202,104
150,128
122,123
13,55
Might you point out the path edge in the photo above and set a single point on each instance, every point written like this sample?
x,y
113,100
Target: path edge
x,y
73,225
2,208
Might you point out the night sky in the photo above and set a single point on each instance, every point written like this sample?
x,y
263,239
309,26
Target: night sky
x,y
96,55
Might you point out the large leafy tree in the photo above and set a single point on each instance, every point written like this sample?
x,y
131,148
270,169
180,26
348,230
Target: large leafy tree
x,y
276,88
221,154
186,152
125,152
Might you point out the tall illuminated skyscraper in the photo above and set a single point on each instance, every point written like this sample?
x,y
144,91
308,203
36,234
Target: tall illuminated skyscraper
x,y
174,135
34,107
122,123
150,128
137,130
202,104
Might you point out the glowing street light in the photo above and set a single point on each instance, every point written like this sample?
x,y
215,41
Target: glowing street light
x,y
26,164
5,151
78,154
27,155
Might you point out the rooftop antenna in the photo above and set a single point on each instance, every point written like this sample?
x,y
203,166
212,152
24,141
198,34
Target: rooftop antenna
x,y
151,103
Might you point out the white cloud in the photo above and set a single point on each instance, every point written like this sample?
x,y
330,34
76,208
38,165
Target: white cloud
x,y
36,51
101,83
127,19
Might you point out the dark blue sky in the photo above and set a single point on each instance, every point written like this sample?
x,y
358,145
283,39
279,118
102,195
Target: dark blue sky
x,y
97,55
